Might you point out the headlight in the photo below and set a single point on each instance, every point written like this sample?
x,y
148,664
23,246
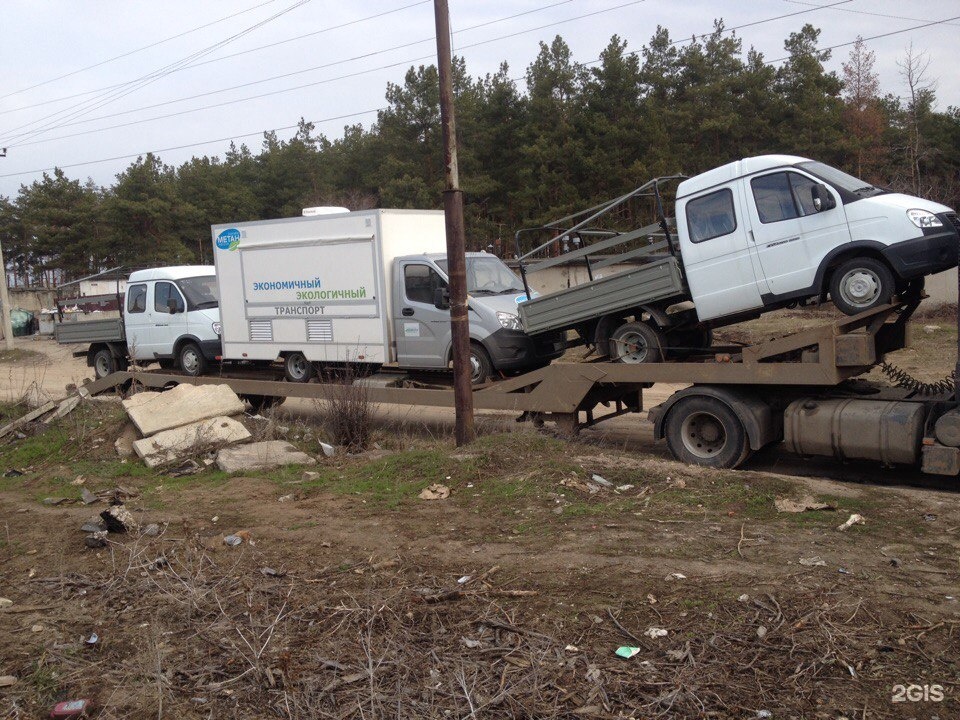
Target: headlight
x,y
217,328
509,321
924,219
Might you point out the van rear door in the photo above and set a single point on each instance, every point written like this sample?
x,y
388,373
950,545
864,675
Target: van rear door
x,y
790,236
716,254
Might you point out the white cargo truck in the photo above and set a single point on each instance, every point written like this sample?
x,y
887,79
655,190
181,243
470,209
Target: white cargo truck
x,y
365,287
169,315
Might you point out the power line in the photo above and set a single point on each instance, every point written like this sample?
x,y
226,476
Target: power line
x,y
134,52
184,147
863,12
310,84
366,112
243,52
106,98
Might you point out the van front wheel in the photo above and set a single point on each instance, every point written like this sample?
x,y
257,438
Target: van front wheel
x,y
191,360
861,284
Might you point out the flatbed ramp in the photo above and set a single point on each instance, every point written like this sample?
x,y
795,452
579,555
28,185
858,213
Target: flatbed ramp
x,y
823,356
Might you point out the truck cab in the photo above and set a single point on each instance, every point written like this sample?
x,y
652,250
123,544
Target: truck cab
x,y
172,316
764,232
498,341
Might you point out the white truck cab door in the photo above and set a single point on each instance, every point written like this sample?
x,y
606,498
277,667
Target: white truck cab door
x,y
790,235
422,330
169,325
716,254
138,323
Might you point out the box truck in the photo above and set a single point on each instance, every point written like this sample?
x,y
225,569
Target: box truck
x,y
749,237
366,287
169,315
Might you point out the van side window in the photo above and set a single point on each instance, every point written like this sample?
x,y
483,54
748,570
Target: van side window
x,y
711,216
782,196
137,299
420,282
162,293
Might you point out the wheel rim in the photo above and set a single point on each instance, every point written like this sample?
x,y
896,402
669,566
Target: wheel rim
x,y
102,366
298,367
476,369
860,288
189,361
631,347
703,434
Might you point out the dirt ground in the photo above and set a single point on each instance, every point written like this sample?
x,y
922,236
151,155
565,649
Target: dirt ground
x,y
352,597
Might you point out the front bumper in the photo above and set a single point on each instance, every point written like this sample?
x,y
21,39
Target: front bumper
x,y
211,349
933,252
514,350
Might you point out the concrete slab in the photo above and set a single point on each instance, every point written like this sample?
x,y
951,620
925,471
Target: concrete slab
x,y
154,412
261,456
170,445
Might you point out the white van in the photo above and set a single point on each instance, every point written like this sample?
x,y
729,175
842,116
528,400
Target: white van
x,y
172,316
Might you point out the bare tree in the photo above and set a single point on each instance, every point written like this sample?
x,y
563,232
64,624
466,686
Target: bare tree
x,y
914,71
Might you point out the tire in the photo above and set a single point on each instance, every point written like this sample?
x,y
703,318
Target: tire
x,y
259,403
861,284
191,360
481,368
296,368
104,363
705,431
635,343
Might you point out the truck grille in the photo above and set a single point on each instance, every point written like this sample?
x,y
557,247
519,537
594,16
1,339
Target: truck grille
x,y
261,330
319,331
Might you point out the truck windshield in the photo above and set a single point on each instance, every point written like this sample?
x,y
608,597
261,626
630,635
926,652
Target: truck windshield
x,y
201,292
488,276
840,179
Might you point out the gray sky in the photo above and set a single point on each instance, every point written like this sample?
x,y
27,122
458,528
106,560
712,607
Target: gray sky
x,y
48,46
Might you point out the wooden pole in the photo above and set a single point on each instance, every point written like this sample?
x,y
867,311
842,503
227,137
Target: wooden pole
x,y
5,299
456,236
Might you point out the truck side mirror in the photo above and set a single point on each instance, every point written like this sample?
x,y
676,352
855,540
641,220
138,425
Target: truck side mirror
x,y
822,198
441,298
173,306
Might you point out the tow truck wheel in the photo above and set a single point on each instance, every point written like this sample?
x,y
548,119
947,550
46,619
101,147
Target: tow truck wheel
x,y
705,431
861,284
297,368
104,363
191,360
636,342
481,369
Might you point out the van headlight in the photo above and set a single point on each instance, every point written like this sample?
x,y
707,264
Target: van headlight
x,y
217,328
509,321
924,219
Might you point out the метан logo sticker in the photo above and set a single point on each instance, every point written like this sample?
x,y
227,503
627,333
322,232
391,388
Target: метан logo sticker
x,y
229,239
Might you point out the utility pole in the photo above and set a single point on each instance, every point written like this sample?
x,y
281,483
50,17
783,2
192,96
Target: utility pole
x,y
456,236
4,295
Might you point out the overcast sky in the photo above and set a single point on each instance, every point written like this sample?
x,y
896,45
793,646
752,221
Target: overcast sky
x,y
60,59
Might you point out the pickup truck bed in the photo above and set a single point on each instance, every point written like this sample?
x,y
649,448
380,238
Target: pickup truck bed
x,y
89,332
656,280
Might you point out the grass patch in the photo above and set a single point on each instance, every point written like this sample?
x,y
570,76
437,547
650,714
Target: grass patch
x,y
19,355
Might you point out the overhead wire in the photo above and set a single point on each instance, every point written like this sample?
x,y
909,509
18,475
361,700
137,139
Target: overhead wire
x,y
278,129
122,91
249,50
323,66
137,50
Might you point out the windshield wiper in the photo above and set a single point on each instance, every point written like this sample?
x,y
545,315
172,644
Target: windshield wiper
x,y
207,304
865,188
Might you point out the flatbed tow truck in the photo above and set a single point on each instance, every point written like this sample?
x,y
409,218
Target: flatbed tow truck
x,y
802,389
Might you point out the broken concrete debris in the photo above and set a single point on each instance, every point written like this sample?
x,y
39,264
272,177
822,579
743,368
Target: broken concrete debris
x,y
854,519
168,445
119,520
261,456
153,412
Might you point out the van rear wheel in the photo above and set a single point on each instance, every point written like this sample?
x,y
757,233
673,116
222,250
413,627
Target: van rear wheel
x,y
635,343
296,368
104,363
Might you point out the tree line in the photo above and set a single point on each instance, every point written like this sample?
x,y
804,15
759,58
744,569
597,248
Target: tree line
x,y
575,134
